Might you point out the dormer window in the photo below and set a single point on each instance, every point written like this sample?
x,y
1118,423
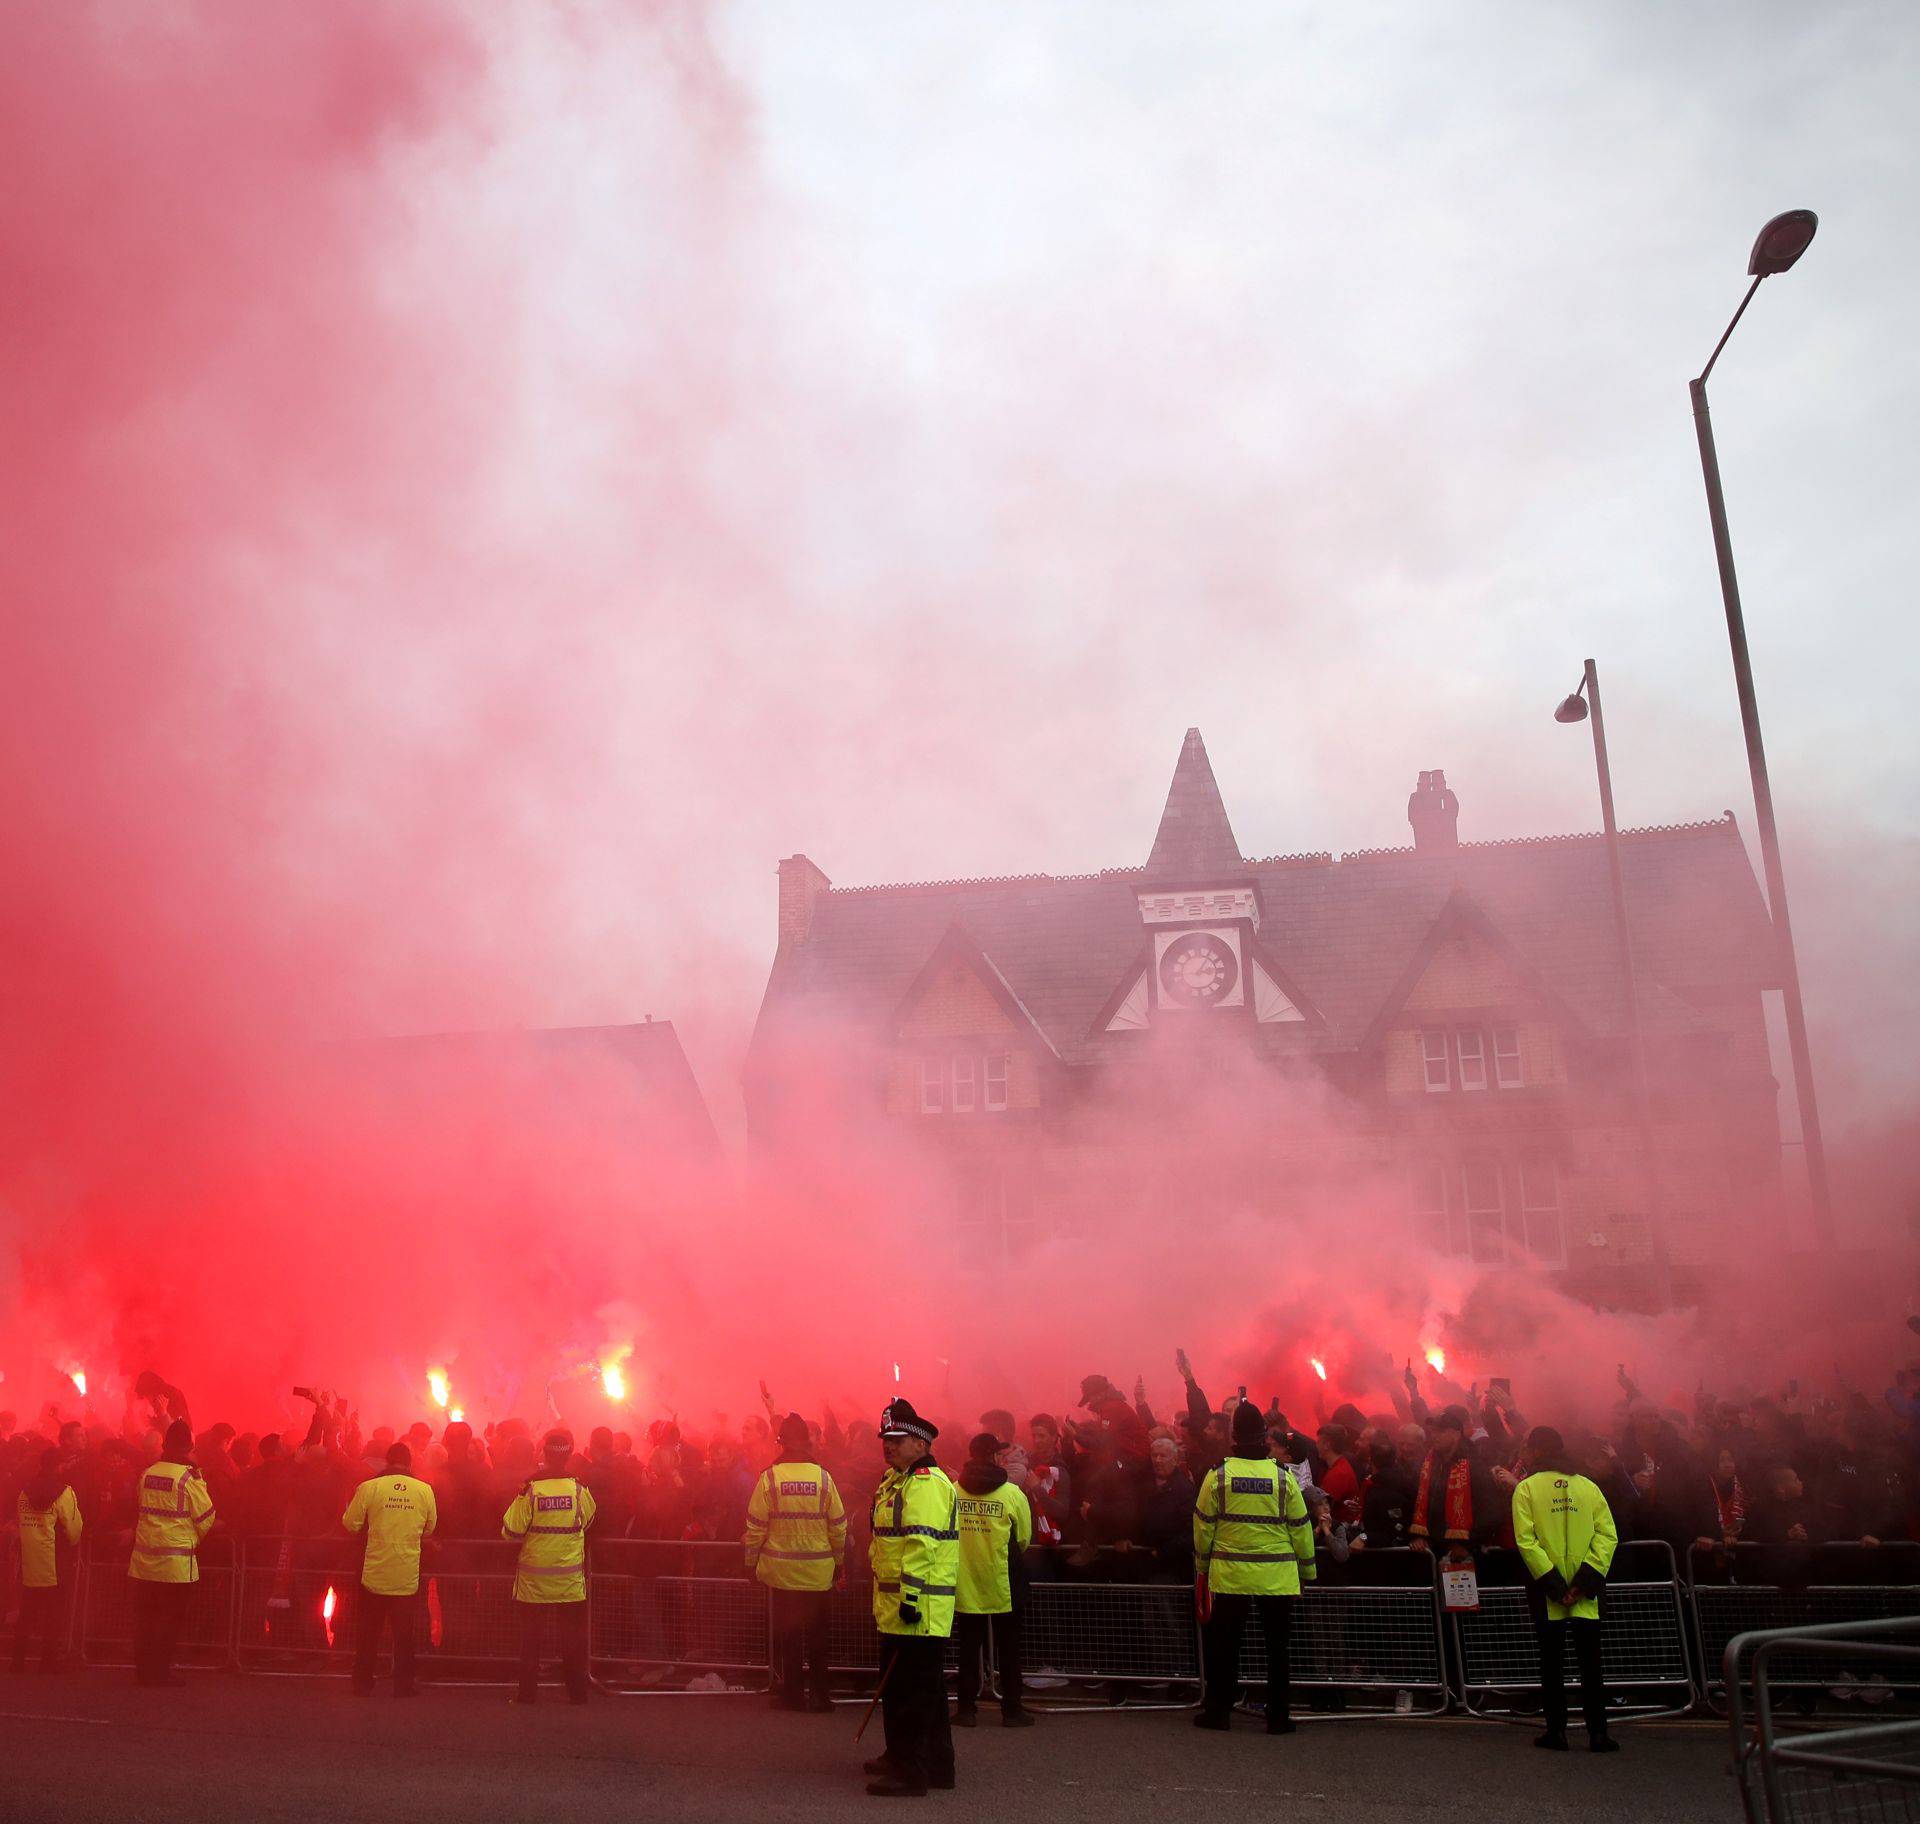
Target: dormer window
x,y
1506,1056
1470,1047
1461,1057
963,1083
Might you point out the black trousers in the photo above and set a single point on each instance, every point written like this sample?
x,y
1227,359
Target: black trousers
x,y
1220,1652
571,1618
1553,1673
375,1614
42,1612
971,1632
913,1707
797,1620
159,1612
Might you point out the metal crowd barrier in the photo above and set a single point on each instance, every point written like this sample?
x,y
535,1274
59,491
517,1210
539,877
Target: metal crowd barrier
x,y
1819,1588
668,1614
1114,1634
1643,1636
1355,1637
1863,1772
105,1624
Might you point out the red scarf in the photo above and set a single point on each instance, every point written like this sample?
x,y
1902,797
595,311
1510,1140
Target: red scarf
x,y
1459,1499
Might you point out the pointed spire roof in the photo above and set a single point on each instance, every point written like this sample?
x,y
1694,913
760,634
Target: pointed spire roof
x,y
1195,844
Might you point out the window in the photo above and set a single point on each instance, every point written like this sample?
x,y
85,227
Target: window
x,y
1540,1209
1433,1055
963,1083
1470,1046
933,1086
1506,1056
994,1085
1485,1211
1427,1198
966,1081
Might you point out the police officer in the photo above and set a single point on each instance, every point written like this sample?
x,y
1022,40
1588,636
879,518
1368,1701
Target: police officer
x,y
1566,1536
915,1558
175,1514
49,1519
549,1519
996,1527
1252,1546
396,1512
796,1542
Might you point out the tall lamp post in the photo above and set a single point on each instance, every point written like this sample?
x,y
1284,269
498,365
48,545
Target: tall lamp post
x,y
1782,241
1575,709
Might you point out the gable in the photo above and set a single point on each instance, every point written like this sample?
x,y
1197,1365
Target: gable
x,y
1466,972
954,1000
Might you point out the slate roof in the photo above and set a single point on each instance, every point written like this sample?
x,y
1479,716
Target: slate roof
x,y
1344,930
1195,845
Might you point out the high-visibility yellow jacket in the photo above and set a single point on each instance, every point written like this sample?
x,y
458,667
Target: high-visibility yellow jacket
x,y
41,1529
1251,1534
550,1517
395,1512
915,1554
796,1528
175,1513
1561,1522
994,1524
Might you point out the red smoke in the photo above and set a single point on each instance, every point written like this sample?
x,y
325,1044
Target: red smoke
x,y
326,722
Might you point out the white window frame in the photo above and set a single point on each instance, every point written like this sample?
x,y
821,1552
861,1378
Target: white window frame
x,y
1540,1175
1470,1052
965,1083
1433,1051
933,1086
1427,1201
1475,1217
1506,1058
993,1081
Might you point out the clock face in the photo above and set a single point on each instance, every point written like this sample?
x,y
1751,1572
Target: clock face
x,y
1197,970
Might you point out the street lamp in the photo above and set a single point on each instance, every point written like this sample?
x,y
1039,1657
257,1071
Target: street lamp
x,y
1575,709
1781,242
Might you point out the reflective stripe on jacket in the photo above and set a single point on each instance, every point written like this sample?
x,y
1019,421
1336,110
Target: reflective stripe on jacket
x,y
993,1525
41,1530
175,1511
550,1517
915,1554
796,1528
1251,1534
1560,1523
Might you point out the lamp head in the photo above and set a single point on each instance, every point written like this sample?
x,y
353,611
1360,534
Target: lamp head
x,y
1572,709
1782,241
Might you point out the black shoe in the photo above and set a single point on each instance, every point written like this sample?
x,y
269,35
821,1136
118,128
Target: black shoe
x,y
940,1782
1603,1744
1552,1738
966,1719
820,1706
1281,1725
790,1703
878,1766
1017,1719
1202,1720
892,1786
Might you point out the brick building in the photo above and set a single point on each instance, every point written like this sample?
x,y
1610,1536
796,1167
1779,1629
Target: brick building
x,y
1442,1026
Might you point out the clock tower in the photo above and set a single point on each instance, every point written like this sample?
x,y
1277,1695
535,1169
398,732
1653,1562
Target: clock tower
x,y
1200,904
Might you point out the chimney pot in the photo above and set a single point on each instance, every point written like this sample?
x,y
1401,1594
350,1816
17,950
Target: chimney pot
x,y
1434,813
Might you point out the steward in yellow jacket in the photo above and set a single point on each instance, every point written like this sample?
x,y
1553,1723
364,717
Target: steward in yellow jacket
x,y
796,1540
1252,1549
49,1518
175,1513
397,1513
915,1558
549,1519
996,1527
1566,1537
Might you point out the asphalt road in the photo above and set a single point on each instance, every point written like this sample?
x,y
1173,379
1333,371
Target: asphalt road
x,y
90,1746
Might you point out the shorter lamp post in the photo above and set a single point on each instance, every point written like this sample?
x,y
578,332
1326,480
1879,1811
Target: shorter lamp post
x,y
1576,708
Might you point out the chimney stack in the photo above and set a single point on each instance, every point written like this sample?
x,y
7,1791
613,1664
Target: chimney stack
x,y
801,884
1434,813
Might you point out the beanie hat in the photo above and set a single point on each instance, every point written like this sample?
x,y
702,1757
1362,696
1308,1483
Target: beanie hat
x,y
1452,1418
984,1448
794,1434
1249,1425
179,1442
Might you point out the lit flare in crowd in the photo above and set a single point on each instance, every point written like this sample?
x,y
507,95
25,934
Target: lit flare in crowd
x,y
78,1376
458,1415
1318,1366
328,1604
438,1387
896,1374
613,1372
1436,1358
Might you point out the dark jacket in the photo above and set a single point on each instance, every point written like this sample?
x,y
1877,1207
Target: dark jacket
x,y
1386,1506
1166,1525
1483,1493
